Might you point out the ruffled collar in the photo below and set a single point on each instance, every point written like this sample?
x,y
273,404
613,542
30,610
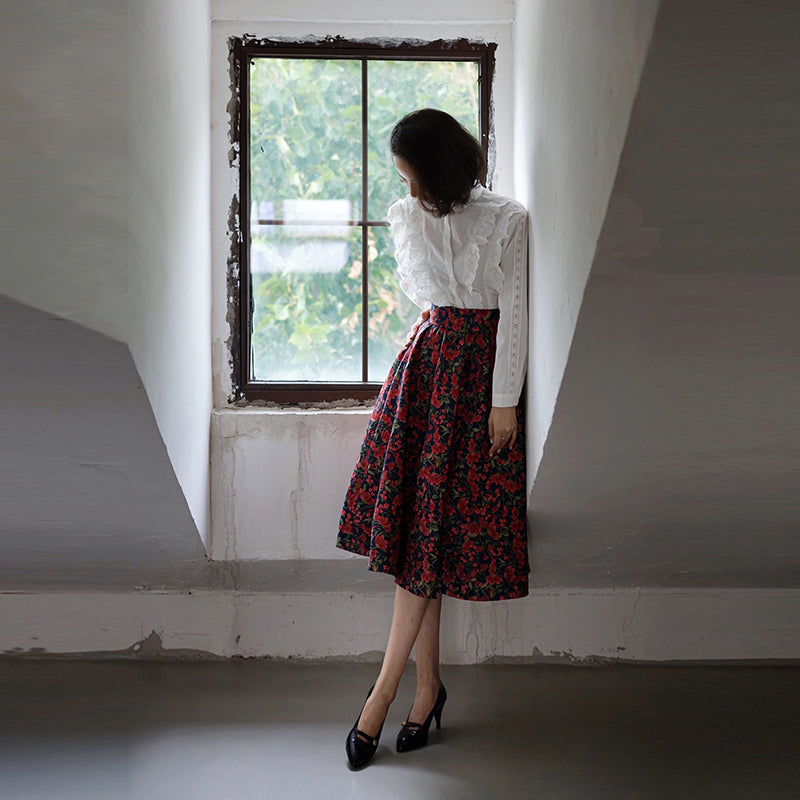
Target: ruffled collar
x,y
425,279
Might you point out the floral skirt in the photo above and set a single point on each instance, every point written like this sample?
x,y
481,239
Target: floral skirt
x,y
426,503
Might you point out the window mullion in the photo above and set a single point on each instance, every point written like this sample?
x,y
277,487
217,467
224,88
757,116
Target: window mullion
x,y
364,228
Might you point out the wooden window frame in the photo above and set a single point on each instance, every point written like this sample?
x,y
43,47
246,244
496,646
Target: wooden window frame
x,y
244,389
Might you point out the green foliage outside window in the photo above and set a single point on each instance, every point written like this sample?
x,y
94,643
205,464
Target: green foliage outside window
x,y
306,169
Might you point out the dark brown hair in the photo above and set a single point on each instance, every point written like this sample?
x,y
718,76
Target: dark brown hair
x,y
446,157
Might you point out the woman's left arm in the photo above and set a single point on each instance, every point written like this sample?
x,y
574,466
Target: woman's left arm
x,y
512,336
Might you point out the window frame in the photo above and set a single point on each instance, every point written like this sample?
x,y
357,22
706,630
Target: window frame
x,y
242,49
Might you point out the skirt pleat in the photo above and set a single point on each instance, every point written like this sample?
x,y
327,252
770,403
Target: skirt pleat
x,y
426,503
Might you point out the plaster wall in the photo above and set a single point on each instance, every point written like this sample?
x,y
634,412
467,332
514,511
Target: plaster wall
x,y
279,481
675,444
368,12
87,490
576,71
566,77
279,476
170,328
64,163
104,157
565,626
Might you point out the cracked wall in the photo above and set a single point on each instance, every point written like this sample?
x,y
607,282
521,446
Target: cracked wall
x,y
278,480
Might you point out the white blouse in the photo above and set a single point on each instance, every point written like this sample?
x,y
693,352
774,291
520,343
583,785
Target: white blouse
x,y
475,257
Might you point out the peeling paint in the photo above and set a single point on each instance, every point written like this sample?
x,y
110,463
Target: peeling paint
x,y
233,292
232,107
233,289
335,42
151,647
301,622
555,657
21,651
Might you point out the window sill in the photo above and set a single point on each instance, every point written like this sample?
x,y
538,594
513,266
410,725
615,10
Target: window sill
x,y
278,409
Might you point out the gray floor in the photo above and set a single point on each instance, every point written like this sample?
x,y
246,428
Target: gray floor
x,y
259,729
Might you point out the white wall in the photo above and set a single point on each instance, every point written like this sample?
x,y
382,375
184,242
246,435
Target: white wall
x,y
87,490
63,160
279,481
566,626
105,166
674,453
104,216
278,477
169,260
563,117
576,70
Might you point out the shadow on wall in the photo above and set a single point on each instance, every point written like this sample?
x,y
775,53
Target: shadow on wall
x,y
87,487
674,454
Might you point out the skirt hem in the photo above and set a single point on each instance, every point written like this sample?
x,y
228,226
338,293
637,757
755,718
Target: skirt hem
x,y
513,592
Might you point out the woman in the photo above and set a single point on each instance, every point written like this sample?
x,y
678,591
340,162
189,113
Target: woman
x,y
437,498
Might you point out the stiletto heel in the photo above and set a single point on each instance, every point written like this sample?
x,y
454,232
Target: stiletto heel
x,y
360,747
414,735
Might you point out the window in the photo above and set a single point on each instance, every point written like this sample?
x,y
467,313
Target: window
x,y
318,314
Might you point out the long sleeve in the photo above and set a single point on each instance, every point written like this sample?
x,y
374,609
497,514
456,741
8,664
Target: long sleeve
x,y
512,328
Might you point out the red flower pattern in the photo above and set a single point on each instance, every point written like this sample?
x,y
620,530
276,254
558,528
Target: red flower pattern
x,y
426,503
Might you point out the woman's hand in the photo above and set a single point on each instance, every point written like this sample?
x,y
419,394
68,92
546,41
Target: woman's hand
x,y
423,317
502,428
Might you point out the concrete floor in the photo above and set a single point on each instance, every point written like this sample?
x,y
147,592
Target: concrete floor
x,y
260,729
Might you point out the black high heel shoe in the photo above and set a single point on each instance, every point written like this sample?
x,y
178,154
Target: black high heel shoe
x,y
414,735
359,747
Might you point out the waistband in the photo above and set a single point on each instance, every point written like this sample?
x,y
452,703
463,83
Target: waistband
x,y
465,320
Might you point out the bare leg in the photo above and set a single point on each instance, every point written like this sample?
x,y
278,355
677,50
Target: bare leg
x,y
427,653
409,612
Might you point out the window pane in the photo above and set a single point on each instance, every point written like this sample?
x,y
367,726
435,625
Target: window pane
x,y
305,150
391,313
306,301
305,135
398,87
